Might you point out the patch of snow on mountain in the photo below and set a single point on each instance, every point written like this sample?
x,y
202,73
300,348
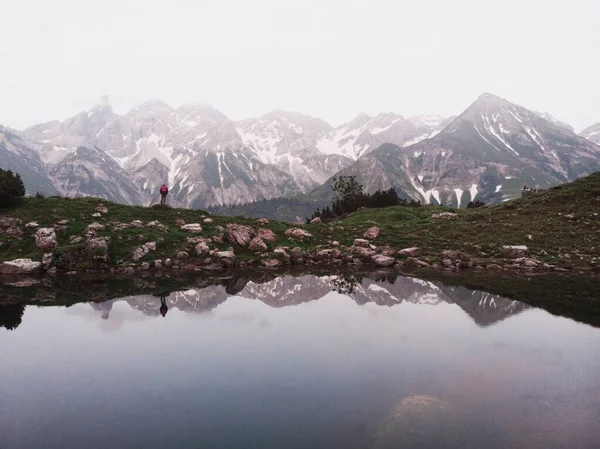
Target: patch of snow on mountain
x,y
498,188
473,191
459,193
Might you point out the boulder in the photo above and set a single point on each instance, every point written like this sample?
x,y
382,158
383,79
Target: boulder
x,y
208,220
13,232
193,228
62,222
117,227
75,239
8,222
202,248
271,263
239,234
158,264
420,421
151,246
226,258
324,254
45,239
372,233
95,227
157,225
267,235
47,260
297,256
364,253
218,239
257,244
298,233
139,252
181,255
136,224
96,215
445,216
361,243
335,243
262,221
98,248
168,263
409,252
379,260
179,221
387,251
315,220
145,266
102,209
515,251
32,224
20,266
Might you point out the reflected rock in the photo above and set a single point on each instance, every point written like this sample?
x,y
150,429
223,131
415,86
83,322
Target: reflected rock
x,y
419,422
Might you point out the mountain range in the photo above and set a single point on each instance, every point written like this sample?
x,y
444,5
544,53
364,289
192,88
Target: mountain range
x,y
488,152
484,308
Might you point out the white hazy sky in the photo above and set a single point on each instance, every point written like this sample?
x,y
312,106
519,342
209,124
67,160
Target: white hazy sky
x,y
327,58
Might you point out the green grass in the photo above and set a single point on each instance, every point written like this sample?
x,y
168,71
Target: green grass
x,y
478,232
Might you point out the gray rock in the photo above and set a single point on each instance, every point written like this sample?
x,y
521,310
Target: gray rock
x,y
32,224
202,248
372,233
361,243
298,233
20,266
193,228
515,251
45,239
95,227
271,263
182,255
151,246
315,220
240,234
379,260
257,244
139,252
226,258
409,252
267,235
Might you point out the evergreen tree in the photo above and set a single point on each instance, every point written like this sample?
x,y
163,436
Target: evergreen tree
x,y
11,188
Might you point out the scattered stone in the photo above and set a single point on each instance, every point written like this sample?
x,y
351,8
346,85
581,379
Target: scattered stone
x,y
515,251
297,256
145,266
128,270
412,261
445,216
267,235
364,253
157,225
151,246
119,227
181,255
98,248
257,244
379,260
95,227
136,224
20,266
298,233
168,263
361,243
529,237
315,220
47,260
372,233
75,239
335,243
201,248
14,232
193,228
45,239
140,252
226,258
32,224
158,264
179,221
387,251
409,252
239,234
218,239
281,252
62,222
262,221
570,216
207,220
7,222
271,263
324,254
102,209
97,215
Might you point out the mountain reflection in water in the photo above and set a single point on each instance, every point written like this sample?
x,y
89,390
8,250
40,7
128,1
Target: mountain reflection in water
x,y
335,361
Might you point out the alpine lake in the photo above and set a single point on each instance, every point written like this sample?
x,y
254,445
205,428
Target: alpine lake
x,y
300,360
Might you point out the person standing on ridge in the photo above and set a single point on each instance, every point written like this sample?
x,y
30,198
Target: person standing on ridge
x,y
163,194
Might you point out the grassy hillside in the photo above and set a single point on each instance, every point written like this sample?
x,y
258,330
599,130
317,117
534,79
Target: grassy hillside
x,y
560,226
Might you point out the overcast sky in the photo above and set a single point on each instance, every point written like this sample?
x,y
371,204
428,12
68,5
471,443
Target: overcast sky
x,y
327,58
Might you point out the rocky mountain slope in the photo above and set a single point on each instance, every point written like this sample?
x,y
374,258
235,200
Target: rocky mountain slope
x,y
489,152
592,133
15,155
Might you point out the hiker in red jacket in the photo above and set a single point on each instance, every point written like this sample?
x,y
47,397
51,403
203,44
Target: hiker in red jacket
x,y
163,194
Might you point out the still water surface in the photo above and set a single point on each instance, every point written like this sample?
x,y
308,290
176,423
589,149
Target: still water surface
x,y
293,363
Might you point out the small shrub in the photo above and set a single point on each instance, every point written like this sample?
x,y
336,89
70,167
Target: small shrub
x,y
475,204
39,196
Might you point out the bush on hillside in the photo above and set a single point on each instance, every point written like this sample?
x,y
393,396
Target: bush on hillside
x,y
475,204
11,188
